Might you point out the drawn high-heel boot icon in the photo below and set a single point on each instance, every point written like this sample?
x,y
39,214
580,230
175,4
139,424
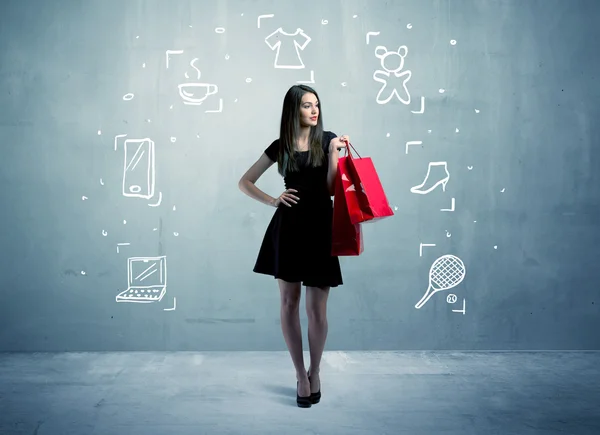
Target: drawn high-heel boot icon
x,y
433,181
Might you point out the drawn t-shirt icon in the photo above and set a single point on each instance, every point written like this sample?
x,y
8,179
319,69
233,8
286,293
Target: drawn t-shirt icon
x,y
288,54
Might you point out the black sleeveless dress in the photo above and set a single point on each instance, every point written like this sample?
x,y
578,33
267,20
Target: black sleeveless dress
x,y
297,244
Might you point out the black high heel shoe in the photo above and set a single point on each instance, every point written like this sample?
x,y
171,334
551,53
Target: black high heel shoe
x,y
303,402
314,397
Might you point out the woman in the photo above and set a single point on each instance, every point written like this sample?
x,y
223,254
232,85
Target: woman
x,y
296,249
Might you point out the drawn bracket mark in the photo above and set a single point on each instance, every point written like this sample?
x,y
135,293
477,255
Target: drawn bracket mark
x,y
369,34
263,16
412,142
422,110
174,305
117,139
312,78
220,109
421,245
122,244
170,52
449,209
156,204
461,311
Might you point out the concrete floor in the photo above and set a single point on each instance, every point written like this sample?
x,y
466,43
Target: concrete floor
x,y
414,393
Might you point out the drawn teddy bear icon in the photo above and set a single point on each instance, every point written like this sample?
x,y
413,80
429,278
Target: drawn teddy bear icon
x,y
392,62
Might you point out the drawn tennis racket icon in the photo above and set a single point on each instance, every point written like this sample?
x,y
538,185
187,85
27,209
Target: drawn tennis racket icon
x,y
446,272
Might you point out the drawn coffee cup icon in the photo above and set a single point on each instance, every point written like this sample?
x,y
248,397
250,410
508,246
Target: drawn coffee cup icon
x,y
196,93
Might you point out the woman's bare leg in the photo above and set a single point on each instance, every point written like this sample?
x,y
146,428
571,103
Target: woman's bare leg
x,y
292,333
316,310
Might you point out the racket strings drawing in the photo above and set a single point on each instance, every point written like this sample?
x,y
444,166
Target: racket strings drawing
x,y
446,272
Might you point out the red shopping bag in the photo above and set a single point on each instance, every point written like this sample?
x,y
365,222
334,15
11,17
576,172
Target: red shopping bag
x,y
346,237
364,193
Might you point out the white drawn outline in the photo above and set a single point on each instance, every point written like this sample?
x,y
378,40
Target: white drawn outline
x,y
169,53
421,245
174,305
369,34
277,46
156,204
312,78
142,147
122,244
443,181
263,16
412,142
422,110
154,290
184,88
451,207
387,72
445,273
463,308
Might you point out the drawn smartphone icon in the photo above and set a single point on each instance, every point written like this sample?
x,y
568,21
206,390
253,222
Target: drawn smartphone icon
x,y
138,168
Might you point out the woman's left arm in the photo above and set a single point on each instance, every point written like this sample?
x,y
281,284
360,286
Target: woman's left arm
x,y
335,145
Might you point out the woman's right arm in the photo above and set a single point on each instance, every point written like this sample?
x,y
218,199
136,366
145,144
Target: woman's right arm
x,y
247,183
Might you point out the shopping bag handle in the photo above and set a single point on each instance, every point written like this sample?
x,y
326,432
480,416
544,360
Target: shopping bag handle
x,y
348,149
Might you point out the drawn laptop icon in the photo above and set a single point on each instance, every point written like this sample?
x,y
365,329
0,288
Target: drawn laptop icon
x,y
146,280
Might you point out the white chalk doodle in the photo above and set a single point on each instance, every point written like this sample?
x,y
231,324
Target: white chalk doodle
x,y
344,84
422,245
470,168
157,203
176,234
441,90
83,198
248,80
463,308
503,189
260,17
387,58
128,97
146,280
452,207
445,273
83,272
99,132
324,22
169,53
288,55
387,135
196,92
453,42
412,143
409,26
437,174
495,246
173,139
220,30
369,34
138,168
422,109
121,244
456,130
448,234
104,233
451,298
476,110
101,182
174,307
310,81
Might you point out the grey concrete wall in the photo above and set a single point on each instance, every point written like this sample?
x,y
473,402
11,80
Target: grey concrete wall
x,y
511,108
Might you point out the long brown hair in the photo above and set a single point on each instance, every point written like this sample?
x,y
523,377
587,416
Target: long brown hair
x,y
290,130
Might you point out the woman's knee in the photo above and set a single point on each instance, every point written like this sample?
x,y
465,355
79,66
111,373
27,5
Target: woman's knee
x,y
290,295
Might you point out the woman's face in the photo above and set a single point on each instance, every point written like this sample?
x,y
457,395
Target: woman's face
x,y
309,110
